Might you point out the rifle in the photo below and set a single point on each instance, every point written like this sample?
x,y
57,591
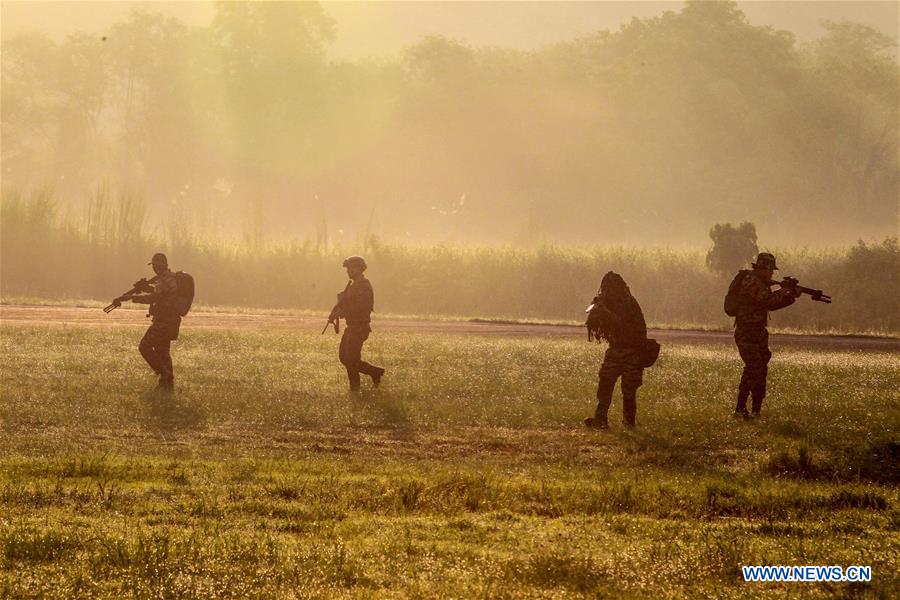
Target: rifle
x,y
142,285
595,316
793,284
334,317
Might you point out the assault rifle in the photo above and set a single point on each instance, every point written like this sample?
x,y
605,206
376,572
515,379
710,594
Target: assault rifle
x,y
142,285
596,313
793,284
334,317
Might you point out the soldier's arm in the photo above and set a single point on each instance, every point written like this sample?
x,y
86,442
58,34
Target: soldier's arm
x,y
782,298
763,296
163,289
368,299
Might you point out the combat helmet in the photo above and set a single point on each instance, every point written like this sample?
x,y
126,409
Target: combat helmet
x,y
355,261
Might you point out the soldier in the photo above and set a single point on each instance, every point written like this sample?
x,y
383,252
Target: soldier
x,y
616,317
155,344
754,301
355,305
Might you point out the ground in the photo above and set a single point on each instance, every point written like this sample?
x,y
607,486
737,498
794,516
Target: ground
x,y
467,474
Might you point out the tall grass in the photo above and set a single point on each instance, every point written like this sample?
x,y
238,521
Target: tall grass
x,y
47,256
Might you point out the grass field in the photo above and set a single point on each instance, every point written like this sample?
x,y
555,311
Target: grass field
x,y
466,475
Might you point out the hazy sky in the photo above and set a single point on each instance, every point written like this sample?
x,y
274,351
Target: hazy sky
x,y
384,28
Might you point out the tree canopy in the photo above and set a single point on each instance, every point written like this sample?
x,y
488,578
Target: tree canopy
x,y
649,133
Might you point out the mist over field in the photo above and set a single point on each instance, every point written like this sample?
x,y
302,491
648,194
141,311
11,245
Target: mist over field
x,y
249,124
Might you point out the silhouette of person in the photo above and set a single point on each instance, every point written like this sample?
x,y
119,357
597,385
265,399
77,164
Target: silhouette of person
x,y
755,300
617,317
355,305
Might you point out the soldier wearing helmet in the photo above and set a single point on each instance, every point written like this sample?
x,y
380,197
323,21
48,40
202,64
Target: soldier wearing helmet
x,y
355,305
755,300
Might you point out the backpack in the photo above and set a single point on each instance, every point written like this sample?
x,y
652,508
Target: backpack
x,y
184,292
649,353
732,298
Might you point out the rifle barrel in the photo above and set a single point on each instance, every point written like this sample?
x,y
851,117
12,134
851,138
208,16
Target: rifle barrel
x,y
817,295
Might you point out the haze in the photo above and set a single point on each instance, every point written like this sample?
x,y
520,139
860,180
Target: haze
x,y
384,28
475,122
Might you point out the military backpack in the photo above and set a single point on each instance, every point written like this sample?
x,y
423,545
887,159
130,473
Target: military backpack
x,y
732,298
184,292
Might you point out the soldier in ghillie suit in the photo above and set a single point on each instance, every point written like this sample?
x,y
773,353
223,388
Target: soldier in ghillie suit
x,y
616,317
355,305
156,343
754,299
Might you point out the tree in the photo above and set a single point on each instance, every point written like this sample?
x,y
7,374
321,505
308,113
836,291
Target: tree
x,y
733,247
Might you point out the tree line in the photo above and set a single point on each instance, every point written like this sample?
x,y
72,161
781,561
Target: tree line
x,y
648,133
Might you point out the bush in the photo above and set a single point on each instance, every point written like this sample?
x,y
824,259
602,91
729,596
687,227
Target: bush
x,y
733,247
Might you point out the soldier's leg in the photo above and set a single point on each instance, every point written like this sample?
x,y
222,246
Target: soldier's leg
x,y
759,386
167,374
376,373
632,378
365,368
147,348
606,383
747,340
351,348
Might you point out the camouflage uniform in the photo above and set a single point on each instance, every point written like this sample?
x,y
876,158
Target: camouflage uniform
x,y
356,304
756,299
156,343
623,358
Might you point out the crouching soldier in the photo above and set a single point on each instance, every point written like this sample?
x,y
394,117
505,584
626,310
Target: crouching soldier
x,y
749,301
355,305
616,317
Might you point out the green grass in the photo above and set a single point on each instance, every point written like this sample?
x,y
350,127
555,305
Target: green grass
x,y
467,474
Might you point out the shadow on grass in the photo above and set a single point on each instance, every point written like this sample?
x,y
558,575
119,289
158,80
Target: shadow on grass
x,y
169,413
875,462
787,428
387,410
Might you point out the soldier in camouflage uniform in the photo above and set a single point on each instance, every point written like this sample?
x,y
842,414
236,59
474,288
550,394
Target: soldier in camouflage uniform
x,y
355,305
617,318
755,300
156,343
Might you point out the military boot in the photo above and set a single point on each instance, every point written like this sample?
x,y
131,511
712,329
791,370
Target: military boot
x,y
166,383
629,409
757,404
595,423
740,411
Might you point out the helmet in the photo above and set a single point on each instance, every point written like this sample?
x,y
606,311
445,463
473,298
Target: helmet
x,y
159,259
355,261
765,260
